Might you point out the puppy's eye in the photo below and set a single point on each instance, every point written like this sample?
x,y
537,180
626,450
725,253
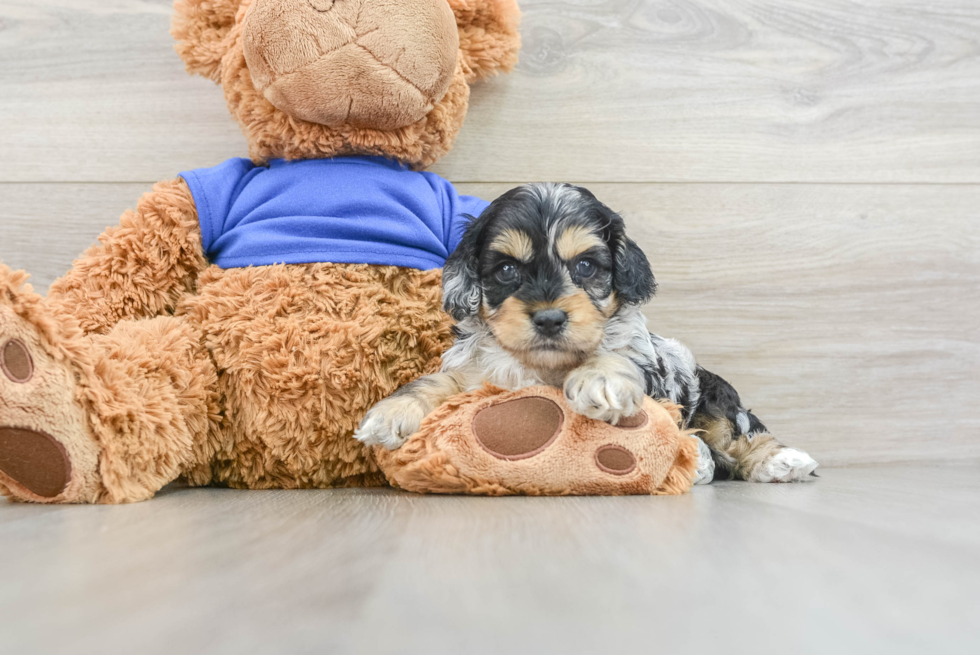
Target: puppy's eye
x,y
585,268
507,273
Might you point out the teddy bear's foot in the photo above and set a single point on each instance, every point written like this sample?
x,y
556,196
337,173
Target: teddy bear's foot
x,y
47,453
530,441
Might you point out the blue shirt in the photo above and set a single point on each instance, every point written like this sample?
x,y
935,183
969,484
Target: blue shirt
x,y
346,210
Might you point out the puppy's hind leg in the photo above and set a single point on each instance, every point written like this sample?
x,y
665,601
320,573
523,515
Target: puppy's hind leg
x,y
760,458
741,445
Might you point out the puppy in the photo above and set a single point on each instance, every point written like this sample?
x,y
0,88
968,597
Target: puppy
x,y
546,288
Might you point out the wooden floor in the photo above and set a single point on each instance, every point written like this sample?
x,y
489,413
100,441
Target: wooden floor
x,y
805,176
863,560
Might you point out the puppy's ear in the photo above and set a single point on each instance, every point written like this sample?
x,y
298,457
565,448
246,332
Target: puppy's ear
x,y
461,290
632,278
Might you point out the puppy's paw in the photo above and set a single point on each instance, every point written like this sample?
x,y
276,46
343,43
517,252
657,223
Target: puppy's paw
x,y
706,464
391,422
604,395
784,465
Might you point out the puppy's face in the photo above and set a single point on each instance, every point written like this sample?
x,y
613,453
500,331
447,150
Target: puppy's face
x,y
546,266
547,285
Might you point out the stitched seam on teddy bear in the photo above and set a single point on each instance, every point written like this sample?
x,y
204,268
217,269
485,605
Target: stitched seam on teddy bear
x,y
392,69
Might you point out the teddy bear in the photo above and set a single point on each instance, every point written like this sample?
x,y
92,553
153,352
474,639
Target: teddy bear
x,y
217,333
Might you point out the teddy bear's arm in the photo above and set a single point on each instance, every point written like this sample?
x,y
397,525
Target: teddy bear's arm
x,y
141,267
489,38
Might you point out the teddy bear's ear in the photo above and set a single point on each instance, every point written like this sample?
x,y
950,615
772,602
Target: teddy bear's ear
x,y
488,35
200,27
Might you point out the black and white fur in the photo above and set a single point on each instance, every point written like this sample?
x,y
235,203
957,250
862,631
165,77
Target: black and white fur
x,y
547,289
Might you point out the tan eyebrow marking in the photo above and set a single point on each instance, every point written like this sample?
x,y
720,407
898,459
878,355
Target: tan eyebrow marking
x,y
576,240
515,243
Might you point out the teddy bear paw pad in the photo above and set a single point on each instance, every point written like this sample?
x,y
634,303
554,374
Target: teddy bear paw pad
x,y
34,460
634,422
519,428
47,453
615,460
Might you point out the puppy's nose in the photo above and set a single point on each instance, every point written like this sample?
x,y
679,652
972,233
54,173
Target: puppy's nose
x,y
550,322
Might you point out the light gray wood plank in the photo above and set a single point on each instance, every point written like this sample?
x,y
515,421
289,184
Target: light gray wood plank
x,y
92,90
848,316
857,562
620,90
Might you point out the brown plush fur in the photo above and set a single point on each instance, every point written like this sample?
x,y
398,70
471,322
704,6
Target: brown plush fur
x,y
201,28
488,36
139,269
152,365
154,405
258,382
445,456
304,352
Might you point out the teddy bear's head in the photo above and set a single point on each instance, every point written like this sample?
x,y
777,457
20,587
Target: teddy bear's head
x,y
320,78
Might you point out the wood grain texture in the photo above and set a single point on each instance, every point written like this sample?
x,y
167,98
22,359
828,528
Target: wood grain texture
x,y
863,560
847,316
617,90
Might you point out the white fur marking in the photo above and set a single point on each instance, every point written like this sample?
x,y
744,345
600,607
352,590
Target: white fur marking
x,y
706,464
785,465
743,423
391,422
604,389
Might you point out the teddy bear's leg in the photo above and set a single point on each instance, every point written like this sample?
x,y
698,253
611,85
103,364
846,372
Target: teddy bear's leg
x,y
139,269
494,442
99,418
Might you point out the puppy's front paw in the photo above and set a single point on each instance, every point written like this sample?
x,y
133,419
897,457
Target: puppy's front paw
x,y
603,395
391,422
